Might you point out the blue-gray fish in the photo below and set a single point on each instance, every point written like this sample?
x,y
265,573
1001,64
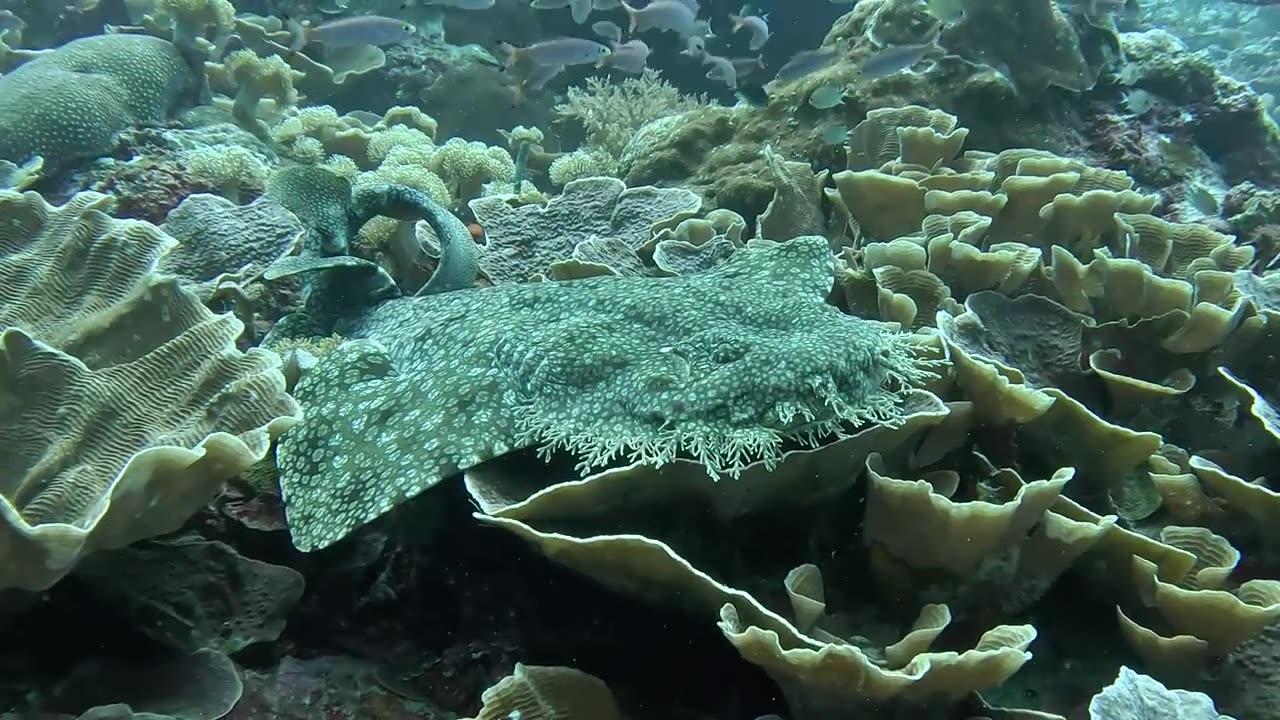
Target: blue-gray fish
x,y
899,57
673,15
835,134
827,97
629,57
1201,198
746,66
757,24
555,52
461,4
352,32
807,62
607,30
721,69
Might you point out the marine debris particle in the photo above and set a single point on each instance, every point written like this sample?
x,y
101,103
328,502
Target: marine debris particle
x,y
723,367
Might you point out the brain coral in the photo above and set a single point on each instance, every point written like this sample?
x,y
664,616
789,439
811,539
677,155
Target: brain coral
x,y
70,103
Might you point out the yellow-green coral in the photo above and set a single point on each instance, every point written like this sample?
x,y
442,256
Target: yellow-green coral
x,y
410,117
467,166
383,142
257,78
342,166
191,17
228,168
581,164
414,176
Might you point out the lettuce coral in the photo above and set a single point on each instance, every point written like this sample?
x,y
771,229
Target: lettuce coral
x,y
129,404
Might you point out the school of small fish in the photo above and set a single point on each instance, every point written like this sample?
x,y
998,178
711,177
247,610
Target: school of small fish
x,y
617,45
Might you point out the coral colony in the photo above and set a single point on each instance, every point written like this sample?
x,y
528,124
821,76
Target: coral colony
x,y
600,360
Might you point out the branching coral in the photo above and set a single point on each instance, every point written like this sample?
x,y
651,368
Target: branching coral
x,y
611,113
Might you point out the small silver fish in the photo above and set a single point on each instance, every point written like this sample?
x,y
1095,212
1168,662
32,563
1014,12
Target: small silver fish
x,y
549,4
541,75
757,24
538,77
554,52
352,32
826,97
579,10
673,15
1130,73
1139,102
629,57
607,30
746,66
461,4
890,60
695,46
835,135
807,62
721,69
1199,197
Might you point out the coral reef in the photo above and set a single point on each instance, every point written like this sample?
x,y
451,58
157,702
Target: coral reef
x,y
932,380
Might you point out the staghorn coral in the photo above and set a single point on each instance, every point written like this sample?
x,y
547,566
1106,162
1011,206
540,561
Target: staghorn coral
x,y
105,338
611,113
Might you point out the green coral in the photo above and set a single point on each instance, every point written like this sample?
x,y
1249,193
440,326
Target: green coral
x,y
229,169
467,166
581,164
190,18
725,367
70,103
